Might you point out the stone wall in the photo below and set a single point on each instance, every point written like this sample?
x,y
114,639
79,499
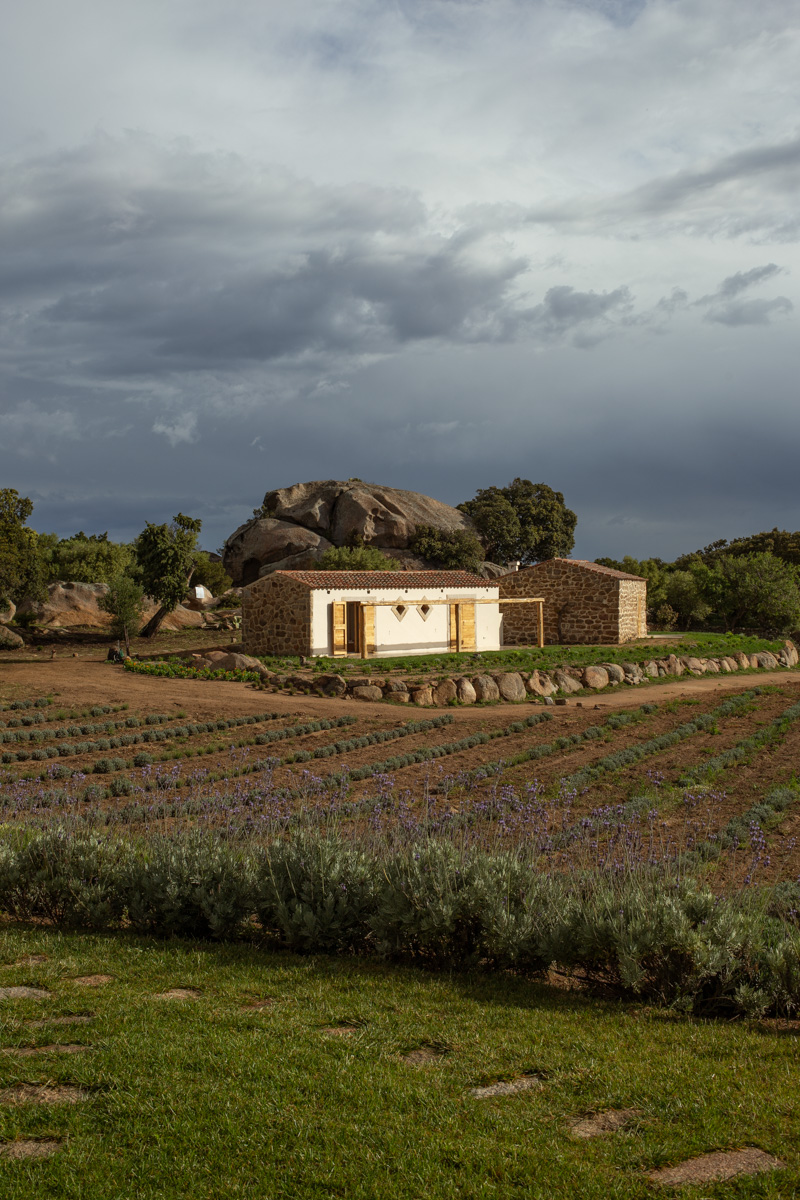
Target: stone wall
x,y
632,609
276,617
583,603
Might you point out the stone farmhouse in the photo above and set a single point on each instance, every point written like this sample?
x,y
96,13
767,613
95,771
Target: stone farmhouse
x,y
372,613
583,603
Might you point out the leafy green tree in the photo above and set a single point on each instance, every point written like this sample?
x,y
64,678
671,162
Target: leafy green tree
x,y
21,567
356,558
165,558
454,550
210,574
651,569
524,521
89,558
779,542
124,600
756,590
685,593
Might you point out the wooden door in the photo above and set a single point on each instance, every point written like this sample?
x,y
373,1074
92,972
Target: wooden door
x,y
339,629
367,630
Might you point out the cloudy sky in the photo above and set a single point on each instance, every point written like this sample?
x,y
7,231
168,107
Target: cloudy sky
x,y
432,243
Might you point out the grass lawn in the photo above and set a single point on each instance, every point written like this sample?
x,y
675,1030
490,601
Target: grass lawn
x,y
207,1097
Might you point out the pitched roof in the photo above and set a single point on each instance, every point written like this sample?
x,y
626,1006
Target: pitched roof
x,y
585,565
391,580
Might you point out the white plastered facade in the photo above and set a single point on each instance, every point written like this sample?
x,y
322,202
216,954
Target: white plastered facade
x,y
402,624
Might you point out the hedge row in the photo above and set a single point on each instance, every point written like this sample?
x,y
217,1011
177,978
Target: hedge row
x,y
664,939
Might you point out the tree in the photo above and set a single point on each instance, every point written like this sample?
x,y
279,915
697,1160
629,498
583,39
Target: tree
x,y
685,594
124,600
88,558
454,550
356,558
165,557
21,568
524,521
757,590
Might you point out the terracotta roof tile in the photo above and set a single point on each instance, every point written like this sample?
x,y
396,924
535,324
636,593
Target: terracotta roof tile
x,y
373,580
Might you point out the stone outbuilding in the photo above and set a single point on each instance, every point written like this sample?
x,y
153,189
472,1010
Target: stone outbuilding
x,y
583,603
370,613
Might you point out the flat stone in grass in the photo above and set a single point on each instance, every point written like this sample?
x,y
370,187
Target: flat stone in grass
x,y
720,1165
31,960
29,1148
339,1030
256,1004
68,1019
179,993
424,1055
508,1087
53,1048
23,993
92,980
42,1093
603,1122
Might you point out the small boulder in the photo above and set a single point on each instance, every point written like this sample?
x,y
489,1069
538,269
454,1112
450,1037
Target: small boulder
x,y
7,611
367,691
540,684
766,661
595,677
651,669
465,692
445,693
697,666
485,688
566,683
422,696
614,671
743,660
790,652
754,663
394,686
331,685
510,686
712,666
674,665
10,640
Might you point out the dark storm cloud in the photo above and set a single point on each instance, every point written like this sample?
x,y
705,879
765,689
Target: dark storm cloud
x,y
727,309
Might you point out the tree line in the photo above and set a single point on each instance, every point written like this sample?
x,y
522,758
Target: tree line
x,y
161,563
750,582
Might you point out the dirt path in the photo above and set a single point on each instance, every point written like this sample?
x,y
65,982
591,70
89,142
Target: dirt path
x,y
81,681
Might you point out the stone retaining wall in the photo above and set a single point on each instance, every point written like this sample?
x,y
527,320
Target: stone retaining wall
x,y
516,686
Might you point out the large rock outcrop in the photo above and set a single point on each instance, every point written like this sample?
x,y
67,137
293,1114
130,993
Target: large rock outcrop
x,y
76,605
300,523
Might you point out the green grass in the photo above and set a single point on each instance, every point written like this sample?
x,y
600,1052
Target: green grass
x,y
702,645
208,1099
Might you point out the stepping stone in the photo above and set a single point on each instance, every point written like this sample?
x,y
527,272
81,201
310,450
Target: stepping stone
x,y
507,1087
70,1019
257,1005
92,980
178,994
603,1122
42,1093
29,1148
339,1030
32,960
720,1165
54,1048
423,1055
23,993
